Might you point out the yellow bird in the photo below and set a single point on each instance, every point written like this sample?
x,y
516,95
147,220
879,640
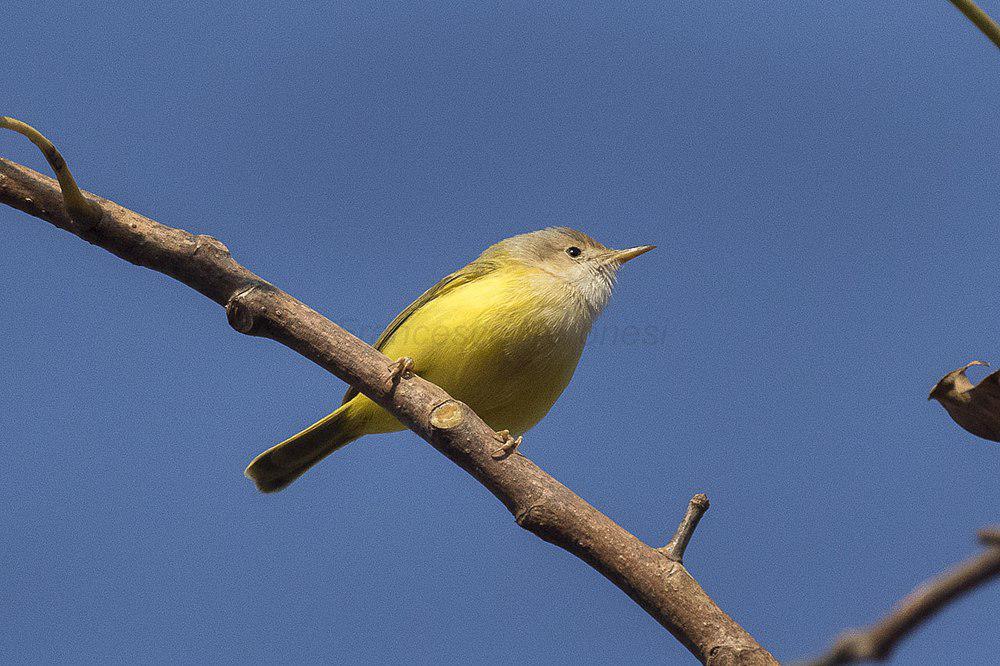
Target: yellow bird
x,y
503,335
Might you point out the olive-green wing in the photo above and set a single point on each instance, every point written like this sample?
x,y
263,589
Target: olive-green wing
x,y
470,273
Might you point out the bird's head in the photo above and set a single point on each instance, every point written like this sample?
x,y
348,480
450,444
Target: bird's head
x,y
571,256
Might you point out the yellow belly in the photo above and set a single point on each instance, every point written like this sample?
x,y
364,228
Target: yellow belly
x,y
506,345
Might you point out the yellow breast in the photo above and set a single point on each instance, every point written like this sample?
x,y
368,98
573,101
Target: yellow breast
x,y
506,344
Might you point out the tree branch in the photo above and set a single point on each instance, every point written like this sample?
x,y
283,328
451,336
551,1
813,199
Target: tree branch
x,y
539,503
877,642
679,542
980,18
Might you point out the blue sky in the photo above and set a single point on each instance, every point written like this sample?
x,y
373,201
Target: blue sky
x,y
820,179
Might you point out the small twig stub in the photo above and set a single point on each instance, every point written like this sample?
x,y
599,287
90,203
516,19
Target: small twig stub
x,y
678,543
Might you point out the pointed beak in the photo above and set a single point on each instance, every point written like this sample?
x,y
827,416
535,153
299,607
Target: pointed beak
x,y
621,256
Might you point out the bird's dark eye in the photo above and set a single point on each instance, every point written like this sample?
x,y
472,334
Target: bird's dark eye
x,y
574,251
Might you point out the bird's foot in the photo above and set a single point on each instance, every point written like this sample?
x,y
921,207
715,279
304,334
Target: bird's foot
x,y
508,444
401,369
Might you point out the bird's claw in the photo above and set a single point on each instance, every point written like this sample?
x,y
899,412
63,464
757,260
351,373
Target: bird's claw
x,y
401,369
508,444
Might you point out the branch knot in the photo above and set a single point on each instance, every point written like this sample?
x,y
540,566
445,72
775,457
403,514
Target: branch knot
x,y
447,415
239,312
213,244
536,517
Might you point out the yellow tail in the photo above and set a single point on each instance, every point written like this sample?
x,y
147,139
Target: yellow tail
x,y
277,467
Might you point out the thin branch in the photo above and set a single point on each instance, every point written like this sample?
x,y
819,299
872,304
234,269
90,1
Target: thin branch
x,y
83,213
877,642
539,503
980,18
679,542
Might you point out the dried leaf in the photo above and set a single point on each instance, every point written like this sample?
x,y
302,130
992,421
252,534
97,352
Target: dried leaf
x,y
974,407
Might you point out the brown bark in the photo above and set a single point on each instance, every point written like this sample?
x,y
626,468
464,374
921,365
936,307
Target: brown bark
x,y
540,504
980,19
678,544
